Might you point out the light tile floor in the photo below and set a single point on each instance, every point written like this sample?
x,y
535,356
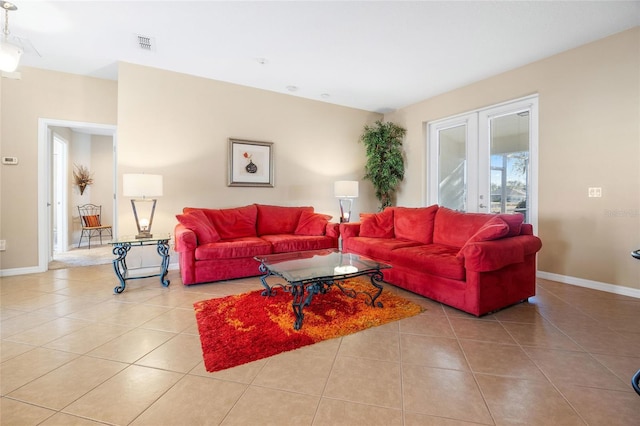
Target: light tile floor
x,y
74,353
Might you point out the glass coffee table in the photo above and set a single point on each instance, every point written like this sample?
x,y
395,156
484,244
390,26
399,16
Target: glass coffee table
x,y
308,273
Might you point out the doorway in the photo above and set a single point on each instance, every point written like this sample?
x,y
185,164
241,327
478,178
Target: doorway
x,y
486,160
56,195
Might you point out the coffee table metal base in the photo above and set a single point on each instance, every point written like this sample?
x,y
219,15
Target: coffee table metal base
x,y
304,291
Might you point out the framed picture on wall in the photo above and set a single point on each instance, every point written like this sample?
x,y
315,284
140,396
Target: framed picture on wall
x,y
250,163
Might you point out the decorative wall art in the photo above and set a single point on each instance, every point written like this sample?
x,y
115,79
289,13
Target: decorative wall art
x,y
82,177
250,163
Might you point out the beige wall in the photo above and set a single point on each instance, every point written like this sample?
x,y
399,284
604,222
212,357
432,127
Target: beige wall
x,y
39,94
178,126
589,135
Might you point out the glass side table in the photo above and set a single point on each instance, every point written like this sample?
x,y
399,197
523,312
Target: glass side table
x,y
121,247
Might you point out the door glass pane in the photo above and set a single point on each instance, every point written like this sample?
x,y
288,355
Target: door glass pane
x,y
452,174
510,163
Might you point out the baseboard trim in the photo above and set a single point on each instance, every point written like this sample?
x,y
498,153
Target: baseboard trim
x,y
595,285
20,271
36,270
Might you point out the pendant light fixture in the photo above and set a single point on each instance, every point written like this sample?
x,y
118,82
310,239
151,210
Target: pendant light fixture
x,y
9,52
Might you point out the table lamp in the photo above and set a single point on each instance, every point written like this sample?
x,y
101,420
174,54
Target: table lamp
x,y
139,187
346,191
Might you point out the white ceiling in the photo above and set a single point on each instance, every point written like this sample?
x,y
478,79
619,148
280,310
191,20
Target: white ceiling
x,y
377,56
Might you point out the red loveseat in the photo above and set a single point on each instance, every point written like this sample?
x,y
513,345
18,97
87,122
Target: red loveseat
x,y
219,244
474,262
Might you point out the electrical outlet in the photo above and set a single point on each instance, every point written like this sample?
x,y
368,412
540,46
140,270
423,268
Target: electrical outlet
x,y
3,245
595,192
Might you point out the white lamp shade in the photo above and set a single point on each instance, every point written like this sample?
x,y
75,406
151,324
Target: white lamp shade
x,y
141,185
346,189
9,56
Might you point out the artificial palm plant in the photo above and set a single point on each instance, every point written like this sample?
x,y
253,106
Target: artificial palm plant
x,y
385,161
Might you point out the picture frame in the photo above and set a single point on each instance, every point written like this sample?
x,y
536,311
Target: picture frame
x,y
250,163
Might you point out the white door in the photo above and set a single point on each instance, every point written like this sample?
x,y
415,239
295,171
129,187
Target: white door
x,y
486,160
59,198
453,157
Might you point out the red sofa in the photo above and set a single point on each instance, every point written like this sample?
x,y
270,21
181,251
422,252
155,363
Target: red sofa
x,y
475,262
219,244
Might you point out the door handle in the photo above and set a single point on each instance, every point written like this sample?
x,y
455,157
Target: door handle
x,y
482,206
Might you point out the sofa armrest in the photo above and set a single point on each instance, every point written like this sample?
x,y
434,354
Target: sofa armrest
x,y
349,229
185,239
493,255
332,230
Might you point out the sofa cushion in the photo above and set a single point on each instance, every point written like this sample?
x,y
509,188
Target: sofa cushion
x,y
231,223
454,228
435,259
312,223
197,222
374,247
414,223
233,248
284,243
278,219
378,225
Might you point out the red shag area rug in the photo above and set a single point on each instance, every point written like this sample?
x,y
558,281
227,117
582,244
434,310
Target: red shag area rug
x,y
242,328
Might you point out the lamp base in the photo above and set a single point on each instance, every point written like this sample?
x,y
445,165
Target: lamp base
x,y
144,228
345,209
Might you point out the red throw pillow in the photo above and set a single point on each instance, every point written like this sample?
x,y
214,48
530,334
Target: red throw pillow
x,y
312,223
198,222
514,221
494,229
379,225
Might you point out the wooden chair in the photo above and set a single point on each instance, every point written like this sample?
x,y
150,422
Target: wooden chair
x,y
91,221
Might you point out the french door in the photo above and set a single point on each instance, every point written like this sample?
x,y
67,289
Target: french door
x,y
486,160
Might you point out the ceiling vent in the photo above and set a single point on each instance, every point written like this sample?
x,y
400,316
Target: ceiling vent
x,y
146,43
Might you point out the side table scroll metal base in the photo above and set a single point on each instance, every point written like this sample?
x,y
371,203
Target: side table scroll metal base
x,y
121,248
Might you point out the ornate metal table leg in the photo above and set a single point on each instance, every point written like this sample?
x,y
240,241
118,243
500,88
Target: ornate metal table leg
x,y
297,291
300,302
376,278
163,251
263,279
120,264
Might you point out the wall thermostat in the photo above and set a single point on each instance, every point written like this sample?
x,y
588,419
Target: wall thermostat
x,y
9,160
